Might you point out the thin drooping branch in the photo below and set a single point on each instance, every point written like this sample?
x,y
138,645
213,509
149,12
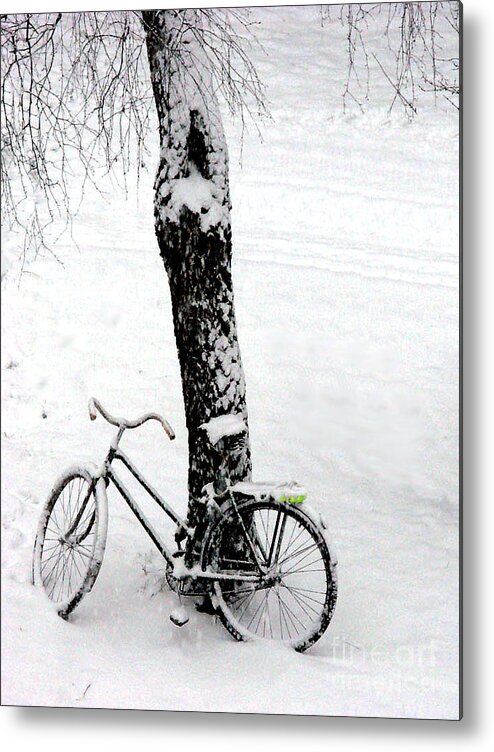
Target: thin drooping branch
x,y
77,101
418,56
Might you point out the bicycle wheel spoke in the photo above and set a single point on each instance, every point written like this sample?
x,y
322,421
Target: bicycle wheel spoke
x,y
265,612
58,556
291,600
286,615
64,571
262,615
243,604
53,575
302,549
273,538
257,538
246,605
278,534
49,537
303,592
54,520
47,573
70,572
79,490
85,520
48,577
52,555
83,554
307,554
65,561
293,615
61,579
279,612
56,542
305,571
77,566
255,612
69,504
303,605
238,602
238,591
259,610
303,564
300,532
87,513
265,530
294,527
270,622
60,510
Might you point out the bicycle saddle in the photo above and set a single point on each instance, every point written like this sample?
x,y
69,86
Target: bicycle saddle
x,y
226,432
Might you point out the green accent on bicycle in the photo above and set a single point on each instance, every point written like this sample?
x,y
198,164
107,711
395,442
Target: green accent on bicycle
x,y
294,499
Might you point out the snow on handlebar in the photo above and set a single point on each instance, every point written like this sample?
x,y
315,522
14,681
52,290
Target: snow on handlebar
x,y
95,406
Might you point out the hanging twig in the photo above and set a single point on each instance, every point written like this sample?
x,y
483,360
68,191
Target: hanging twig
x,y
416,34
76,97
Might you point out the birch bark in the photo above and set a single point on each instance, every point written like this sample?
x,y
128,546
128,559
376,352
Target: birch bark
x,y
193,228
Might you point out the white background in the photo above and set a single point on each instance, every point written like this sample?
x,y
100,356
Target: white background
x,y
78,729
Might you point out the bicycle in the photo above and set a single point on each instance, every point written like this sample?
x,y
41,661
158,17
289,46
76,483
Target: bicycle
x,y
264,559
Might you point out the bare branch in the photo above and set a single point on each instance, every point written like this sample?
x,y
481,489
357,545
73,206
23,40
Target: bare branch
x,y
415,36
77,102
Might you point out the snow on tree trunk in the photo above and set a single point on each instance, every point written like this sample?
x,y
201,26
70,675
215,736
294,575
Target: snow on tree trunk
x,y
193,228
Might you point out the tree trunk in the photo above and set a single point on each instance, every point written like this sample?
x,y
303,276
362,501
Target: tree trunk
x,y
193,228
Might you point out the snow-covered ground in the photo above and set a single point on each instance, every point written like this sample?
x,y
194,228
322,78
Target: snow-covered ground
x,y
346,280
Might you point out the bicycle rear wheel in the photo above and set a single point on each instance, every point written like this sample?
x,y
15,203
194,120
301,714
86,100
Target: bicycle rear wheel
x,y
295,597
71,539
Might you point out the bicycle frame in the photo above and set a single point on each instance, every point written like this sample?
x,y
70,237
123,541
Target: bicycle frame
x,y
109,475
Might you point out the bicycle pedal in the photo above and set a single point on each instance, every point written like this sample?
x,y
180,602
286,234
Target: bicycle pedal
x,y
178,554
179,617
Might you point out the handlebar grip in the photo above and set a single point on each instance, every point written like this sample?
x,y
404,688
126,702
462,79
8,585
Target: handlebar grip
x,y
169,431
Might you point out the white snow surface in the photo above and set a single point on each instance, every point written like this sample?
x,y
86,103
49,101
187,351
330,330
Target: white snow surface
x,y
345,233
224,425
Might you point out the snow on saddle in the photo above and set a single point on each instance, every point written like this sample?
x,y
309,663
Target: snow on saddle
x,y
226,433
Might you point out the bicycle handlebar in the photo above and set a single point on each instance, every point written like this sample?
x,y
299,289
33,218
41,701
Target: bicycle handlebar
x,y
95,405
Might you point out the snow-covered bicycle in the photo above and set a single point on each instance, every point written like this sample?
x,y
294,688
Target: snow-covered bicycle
x,y
264,559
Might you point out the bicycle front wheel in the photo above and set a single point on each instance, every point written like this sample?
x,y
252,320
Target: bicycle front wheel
x,y
71,538
295,595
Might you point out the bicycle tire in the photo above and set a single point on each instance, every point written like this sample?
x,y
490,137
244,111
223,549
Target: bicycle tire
x,y
66,562
228,597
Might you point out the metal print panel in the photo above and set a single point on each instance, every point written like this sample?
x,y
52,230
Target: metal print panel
x,y
230,359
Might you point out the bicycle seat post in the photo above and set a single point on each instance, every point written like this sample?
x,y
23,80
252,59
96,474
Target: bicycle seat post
x,y
221,481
